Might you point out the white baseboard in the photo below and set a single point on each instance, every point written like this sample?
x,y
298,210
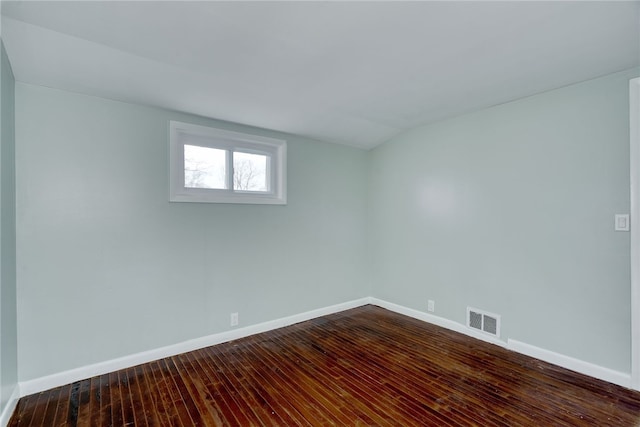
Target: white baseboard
x,y
8,409
437,320
51,381
561,360
56,380
571,363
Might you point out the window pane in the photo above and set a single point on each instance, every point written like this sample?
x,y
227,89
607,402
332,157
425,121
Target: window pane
x,y
204,167
250,172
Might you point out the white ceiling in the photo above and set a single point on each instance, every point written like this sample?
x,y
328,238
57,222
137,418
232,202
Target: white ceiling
x,y
355,73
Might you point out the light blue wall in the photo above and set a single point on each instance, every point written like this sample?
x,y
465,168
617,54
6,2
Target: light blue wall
x,y
510,209
108,267
8,327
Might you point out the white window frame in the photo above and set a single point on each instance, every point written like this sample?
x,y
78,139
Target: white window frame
x,y
181,134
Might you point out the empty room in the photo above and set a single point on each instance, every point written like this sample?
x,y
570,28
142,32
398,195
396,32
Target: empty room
x,y
320,213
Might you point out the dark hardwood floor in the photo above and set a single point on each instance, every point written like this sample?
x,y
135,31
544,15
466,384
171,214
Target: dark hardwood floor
x,y
366,366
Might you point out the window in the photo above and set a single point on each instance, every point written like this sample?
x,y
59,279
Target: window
x,y
218,166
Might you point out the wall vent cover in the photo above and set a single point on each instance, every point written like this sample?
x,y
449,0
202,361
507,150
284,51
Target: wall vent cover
x,y
483,321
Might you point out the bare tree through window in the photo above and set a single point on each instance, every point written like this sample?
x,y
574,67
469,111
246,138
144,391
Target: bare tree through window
x,y
204,167
249,172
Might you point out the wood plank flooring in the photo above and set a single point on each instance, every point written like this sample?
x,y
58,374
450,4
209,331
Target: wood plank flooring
x,y
365,366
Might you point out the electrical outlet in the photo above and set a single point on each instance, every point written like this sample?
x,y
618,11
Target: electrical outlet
x,y
234,319
431,306
621,222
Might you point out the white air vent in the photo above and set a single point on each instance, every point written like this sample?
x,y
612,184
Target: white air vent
x,y
483,321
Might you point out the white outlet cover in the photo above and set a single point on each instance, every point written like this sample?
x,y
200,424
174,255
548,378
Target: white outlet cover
x,y
621,222
431,305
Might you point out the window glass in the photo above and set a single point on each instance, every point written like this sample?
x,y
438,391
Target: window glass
x,y
204,167
250,172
